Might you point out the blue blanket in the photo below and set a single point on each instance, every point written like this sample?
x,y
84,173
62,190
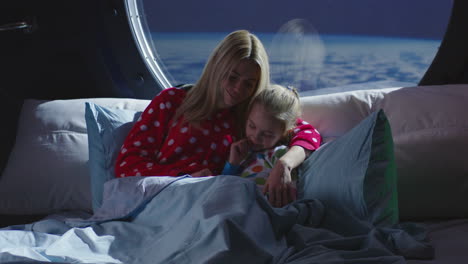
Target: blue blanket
x,y
222,219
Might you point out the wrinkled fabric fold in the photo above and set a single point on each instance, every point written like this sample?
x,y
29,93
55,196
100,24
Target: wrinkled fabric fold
x,y
210,220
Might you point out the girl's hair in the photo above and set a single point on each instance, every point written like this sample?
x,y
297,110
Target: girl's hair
x,y
202,100
281,102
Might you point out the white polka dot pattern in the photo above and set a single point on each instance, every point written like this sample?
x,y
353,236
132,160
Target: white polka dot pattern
x,y
155,148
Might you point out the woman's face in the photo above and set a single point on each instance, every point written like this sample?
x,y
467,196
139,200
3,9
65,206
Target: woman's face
x,y
263,130
240,83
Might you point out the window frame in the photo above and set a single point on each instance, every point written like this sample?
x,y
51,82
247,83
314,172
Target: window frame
x,y
138,27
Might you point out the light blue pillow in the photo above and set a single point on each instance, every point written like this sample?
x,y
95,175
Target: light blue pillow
x,y
107,129
356,173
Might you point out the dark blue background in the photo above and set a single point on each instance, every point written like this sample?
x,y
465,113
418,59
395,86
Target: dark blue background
x,y
403,18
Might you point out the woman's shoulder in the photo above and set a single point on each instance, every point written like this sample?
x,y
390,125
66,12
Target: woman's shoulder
x,y
172,94
169,98
173,91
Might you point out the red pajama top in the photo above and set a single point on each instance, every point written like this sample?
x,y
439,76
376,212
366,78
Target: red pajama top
x,y
157,146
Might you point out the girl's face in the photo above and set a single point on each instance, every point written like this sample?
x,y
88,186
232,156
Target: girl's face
x,y
240,83
263,131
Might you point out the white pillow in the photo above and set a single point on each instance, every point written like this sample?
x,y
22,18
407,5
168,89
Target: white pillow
x,y
47,168
335,114
430,132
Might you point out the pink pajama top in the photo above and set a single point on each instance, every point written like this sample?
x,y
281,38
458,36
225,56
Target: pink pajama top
x,y
157,146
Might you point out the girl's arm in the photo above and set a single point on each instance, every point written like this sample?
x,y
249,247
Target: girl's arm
x,y
239,150
231,169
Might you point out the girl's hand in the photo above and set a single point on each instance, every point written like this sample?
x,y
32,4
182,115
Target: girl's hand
x,y
278,187
239,151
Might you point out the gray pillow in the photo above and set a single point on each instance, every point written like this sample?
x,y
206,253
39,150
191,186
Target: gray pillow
x,y
356,172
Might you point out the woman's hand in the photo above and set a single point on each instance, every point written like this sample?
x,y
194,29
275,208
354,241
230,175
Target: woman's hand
x,y
278,187
239,151
279,184
202,173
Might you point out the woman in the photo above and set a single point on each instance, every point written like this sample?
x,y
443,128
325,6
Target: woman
x,y
190,131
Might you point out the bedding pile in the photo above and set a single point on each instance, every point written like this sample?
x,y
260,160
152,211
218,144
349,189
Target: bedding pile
x,y
222,219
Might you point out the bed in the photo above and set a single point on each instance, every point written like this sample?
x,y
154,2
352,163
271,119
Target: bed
x,y
389,185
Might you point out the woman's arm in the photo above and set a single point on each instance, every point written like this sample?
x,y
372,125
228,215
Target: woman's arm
x,y
278,187
306,136
140,149
295,156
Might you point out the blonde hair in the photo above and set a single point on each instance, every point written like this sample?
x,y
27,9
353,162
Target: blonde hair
x,y
202,100
282,103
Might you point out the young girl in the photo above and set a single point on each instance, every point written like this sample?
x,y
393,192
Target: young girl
x,y
190,131
271,121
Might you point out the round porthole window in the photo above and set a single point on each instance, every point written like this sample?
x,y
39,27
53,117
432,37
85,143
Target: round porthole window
x,y
312,44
